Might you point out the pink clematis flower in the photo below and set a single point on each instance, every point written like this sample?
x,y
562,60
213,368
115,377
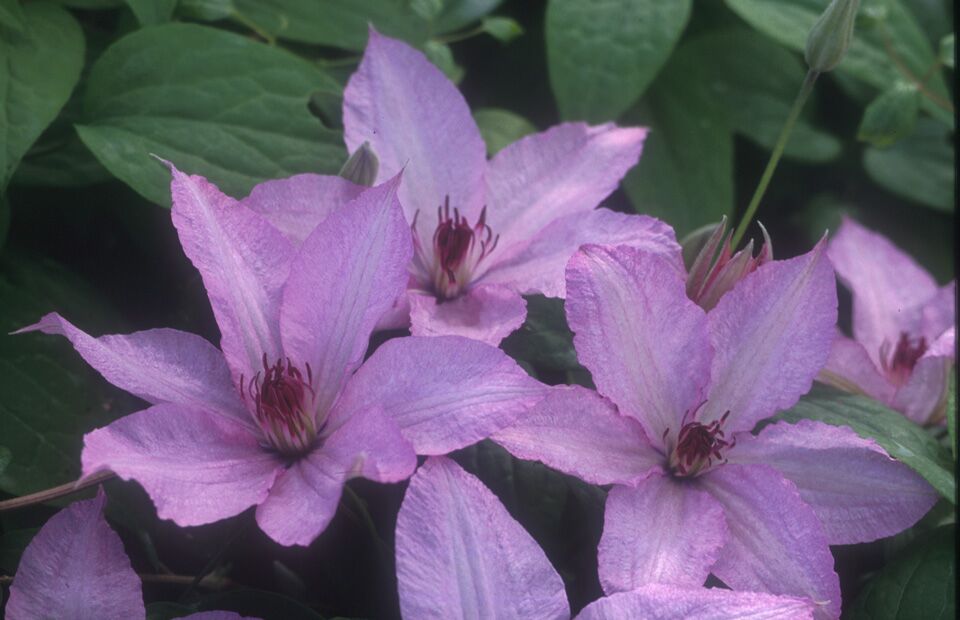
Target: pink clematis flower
x,y
904,327
461,555
286,414
75,567
485,232
694,491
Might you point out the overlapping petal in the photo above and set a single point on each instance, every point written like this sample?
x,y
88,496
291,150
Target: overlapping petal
x,y
487,312
923,397
643,340
662,531
461,555
771,335
850,368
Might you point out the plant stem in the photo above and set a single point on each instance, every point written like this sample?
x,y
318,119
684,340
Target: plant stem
x,y
802,96
367,520
56,492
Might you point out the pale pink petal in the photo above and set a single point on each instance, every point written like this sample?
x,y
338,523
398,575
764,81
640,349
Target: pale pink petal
x,y
569,168
348,274
940,312
776,543
662,531
923,397
197,467
668,602
639,335
445,392
851,369
461,555
579,432
857,491
488,313
305,497
76,567
296,205
157,365
538,267
415,119
772,334
244,262
888,285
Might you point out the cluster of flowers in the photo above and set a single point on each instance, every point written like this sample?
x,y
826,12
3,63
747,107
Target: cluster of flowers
x,y
303,270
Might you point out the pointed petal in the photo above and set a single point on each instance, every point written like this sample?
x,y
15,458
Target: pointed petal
x,y
940,312
461,555
295,206
635,329
850,368
569,168
579,432
857,491
417,120
657,601
888,286
75,567
157,365
243,261
488,313
348,274
539,266
444,392
772,334
197,467
662,531
776,543
305,497
923,397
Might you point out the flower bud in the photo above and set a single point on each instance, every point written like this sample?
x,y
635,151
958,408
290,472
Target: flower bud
x,y
831,35
362,166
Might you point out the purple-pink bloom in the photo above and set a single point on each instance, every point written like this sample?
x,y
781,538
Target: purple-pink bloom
x,y
485,232
461,555
286,414
904,327
694,492
75,567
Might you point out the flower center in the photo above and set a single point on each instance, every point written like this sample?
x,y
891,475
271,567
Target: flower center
x,y
899,365
447,265
283,406
698,446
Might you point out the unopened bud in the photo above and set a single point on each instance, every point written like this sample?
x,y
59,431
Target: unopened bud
x,y
362,167
831,35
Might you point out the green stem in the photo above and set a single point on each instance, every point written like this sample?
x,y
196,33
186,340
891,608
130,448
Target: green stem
x,y
802,96
47,495
456,37
367,520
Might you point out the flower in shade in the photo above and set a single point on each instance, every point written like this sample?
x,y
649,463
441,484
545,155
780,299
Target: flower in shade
x,y
286,413
75,567
904,327
485,233
461,555
680,389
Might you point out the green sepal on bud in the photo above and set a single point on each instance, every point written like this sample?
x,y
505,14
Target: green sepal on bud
x,y
362,167
831,35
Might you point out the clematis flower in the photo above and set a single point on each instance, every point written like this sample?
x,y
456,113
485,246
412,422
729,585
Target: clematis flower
x,y
461,555
680,389
485,232
75,567
904,332
286,414
716,268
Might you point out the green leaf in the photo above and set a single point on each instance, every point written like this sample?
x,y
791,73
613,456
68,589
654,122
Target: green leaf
x,y
869,57
39,67
70,165
755,81
11,15
920,583
544,340
901,438
948,51
602,55
206,10
5,457
48,395
500,128
952,413
502,29
152,12
12,544
439,54
258,603
212,102
458,13
890,117
919,167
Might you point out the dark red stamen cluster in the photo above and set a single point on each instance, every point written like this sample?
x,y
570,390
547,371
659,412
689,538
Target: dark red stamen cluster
x,y
282,401
698,445
905,356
